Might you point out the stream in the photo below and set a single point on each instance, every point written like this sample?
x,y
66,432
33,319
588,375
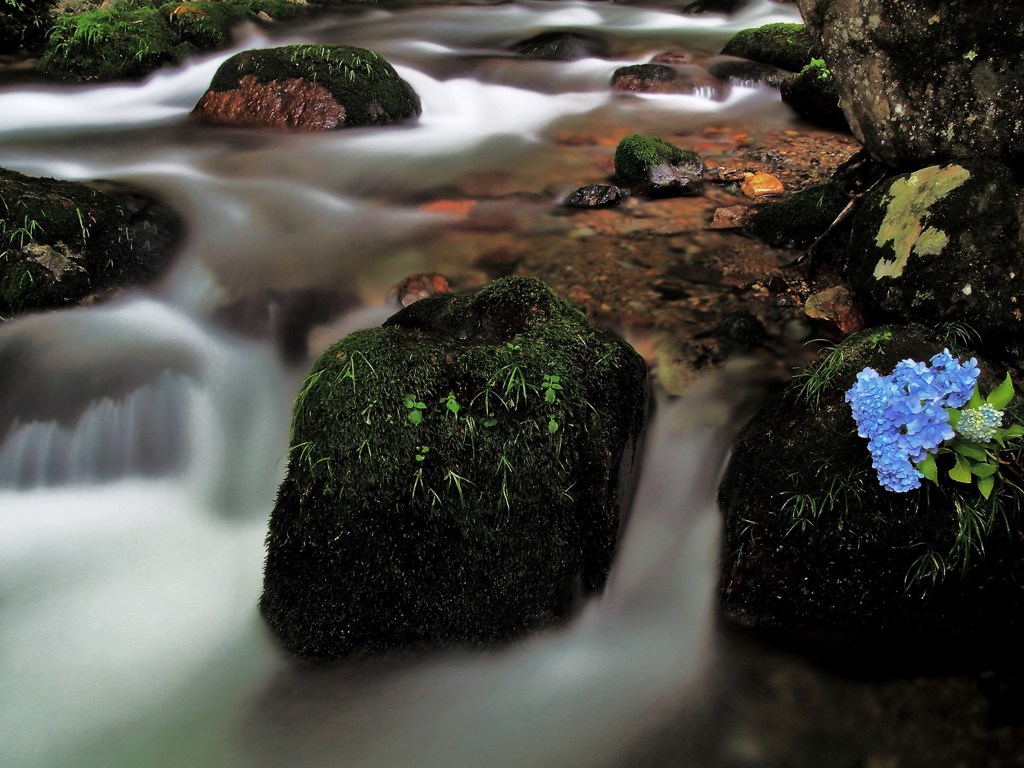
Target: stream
x,y
143,438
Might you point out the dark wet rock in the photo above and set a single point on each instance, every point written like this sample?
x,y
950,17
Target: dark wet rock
x,y
595,196
943,244
815,550
63,242
421,285
801,218
308,88
922,82
787,46
651,166
130,40
813,95
561,46
740,330
713,6
740,71
661,78
456,476
671,57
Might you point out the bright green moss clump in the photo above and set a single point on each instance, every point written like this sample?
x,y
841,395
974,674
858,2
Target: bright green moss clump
x,y
454,475
788,46
649,165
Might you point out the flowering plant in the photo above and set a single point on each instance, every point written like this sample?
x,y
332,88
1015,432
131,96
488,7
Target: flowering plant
x,y
921,411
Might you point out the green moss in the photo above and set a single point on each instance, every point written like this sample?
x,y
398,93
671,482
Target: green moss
x,y
636,155
801,218
360,80
788,46
453,474
133,38
59,241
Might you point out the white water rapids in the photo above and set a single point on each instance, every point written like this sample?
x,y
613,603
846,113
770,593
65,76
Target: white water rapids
x,y
142,443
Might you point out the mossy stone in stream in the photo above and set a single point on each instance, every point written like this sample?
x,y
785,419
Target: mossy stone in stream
x,y
61,241
308,87
648,165
798,220
787,46
456,476
816,550
812,94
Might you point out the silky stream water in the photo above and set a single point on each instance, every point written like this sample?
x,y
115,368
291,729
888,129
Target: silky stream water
x,y
142,441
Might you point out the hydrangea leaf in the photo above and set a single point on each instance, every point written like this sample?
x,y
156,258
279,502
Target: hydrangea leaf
x,y
985,485
961,471
976,400
970,450
927,467
1014,430
954,416
1001,395
984,470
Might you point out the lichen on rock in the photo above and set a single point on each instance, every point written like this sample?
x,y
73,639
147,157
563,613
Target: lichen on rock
x,y
456,476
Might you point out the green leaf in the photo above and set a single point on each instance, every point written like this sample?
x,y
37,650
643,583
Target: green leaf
x,y
415,416
1001,395
984,470
1014,430
926,467
969,449
985,485
961,472
954,417
976,401
552,426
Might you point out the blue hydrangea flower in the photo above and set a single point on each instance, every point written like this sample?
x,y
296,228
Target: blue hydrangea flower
x,y
904,414
980,424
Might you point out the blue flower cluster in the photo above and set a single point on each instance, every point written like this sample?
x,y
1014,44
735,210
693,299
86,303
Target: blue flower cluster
x,y
980,424
904,414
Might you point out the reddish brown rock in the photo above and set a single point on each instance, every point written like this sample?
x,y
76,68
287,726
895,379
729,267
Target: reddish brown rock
x,y
671,57
422,285
838,306
762,184
292,104
731,217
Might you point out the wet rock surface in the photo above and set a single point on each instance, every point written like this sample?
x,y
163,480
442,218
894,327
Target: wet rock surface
x,y
595,196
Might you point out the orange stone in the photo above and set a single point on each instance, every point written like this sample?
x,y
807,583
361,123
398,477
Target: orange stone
x,y
761,184
450,207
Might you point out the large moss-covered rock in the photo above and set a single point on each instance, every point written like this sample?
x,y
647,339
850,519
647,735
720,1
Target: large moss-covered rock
x,y
651,166
816,549
787,46
943,243
923,82
132,38
62,241
455,476
308,87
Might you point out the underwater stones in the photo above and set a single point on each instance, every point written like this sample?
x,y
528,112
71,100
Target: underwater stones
x,y
456,476
959,95
798,220
560,46
63,241
650,166
308,88
943,243
595,196
815,550
787,46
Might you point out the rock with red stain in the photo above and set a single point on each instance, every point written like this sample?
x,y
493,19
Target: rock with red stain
x,y
308,88
836,305
421,285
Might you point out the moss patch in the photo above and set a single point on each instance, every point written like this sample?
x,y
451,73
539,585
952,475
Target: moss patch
x,y
788,46
801,218
454,475
649,165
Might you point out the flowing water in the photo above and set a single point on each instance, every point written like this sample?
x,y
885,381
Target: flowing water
x,y
143,438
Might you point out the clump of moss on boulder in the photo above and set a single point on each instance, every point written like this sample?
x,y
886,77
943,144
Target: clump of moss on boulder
x,y
456,476
816,550
812,94
308,87
787,46
133,38
61,241
798,220
648,165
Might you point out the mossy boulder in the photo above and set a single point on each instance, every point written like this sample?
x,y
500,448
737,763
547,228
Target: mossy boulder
x,y
943,243
456,476
308,87
798,220
813,95
816,550
62,241
787,46
133,38
923,82
648,165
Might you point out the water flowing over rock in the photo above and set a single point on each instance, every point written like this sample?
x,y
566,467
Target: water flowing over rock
x,y
456,477
308,88
561,46
961,92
